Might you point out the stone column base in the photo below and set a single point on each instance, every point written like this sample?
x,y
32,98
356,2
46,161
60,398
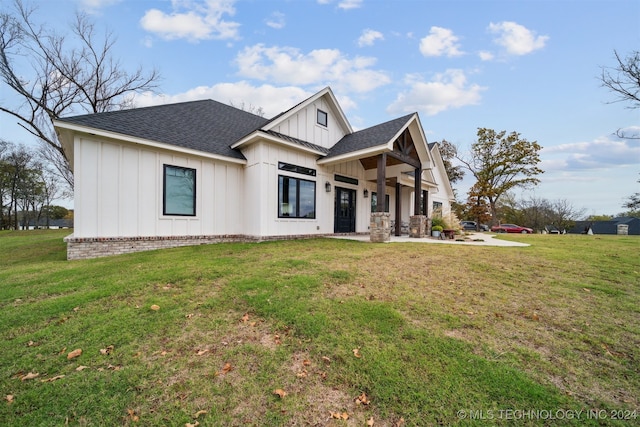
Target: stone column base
x,y
417,226
380,228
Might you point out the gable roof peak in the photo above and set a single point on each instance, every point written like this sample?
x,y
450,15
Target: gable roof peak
x,y
333,103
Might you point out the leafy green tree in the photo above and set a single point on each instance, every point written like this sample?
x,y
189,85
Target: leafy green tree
x,y
448,152
633,203
501,162
55,212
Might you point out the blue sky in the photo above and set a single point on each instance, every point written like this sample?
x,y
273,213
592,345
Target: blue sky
x,y
525,66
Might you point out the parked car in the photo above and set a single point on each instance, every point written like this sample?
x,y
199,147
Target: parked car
x,y
511,228
471,225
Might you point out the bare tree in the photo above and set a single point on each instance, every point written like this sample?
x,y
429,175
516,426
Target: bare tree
x,y
65,74
623,80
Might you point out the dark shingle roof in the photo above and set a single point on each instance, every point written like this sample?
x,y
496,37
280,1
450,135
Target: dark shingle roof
x,y
206,125
370,137
298,141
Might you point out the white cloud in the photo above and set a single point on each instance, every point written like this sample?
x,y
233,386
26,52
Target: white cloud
x,y
193,20
350,4
94,5
439,42
320,67
603,152
446,91
485,55
273,100
516,39
276,20
344,4
369,37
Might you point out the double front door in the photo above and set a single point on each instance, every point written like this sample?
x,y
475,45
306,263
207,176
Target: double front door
x,y
345,215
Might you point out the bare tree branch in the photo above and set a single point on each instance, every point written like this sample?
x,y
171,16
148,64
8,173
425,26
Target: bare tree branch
x,y
56,75
624,79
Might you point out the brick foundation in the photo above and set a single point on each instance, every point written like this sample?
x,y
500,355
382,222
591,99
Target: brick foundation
x,y
96,247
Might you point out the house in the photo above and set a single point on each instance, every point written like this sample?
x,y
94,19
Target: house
x,y
624,225
205,172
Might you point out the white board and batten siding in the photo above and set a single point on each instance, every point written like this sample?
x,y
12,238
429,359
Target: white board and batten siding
x,y
119,189
261,192
303,125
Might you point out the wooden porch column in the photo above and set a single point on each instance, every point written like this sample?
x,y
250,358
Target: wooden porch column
x,y
380,225
398,209
417,191
381,180
425,205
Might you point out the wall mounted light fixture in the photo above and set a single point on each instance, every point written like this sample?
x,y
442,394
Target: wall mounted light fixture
x,y
366,193
327,186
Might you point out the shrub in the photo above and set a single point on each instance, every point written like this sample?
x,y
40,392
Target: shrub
x,y
438,221
437,228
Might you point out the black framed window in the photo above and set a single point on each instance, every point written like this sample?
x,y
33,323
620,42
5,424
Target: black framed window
x,y
297,169
374,202
296,198
179,192
322,118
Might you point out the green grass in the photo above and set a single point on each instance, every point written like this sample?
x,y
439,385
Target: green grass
x,y
425,331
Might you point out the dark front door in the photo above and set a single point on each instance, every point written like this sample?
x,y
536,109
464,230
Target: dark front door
x,y
345,221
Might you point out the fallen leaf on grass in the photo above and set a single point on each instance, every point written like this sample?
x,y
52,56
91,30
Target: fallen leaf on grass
x,y
197,414
302,374
400,422
155,307
196,424
201,352
586,289
306,362
280,392
32,344
9,398
370,422
75,353
326,360
132,415
189,316
362,399
245,318
29,376
227,368
107,350
356,352
52,379
340,416
81,368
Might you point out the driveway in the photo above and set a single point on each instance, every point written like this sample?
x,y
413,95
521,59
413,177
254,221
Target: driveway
x,y
473,239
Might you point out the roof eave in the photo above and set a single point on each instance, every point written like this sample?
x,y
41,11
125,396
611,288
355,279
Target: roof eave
x,y
259,135
355,155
